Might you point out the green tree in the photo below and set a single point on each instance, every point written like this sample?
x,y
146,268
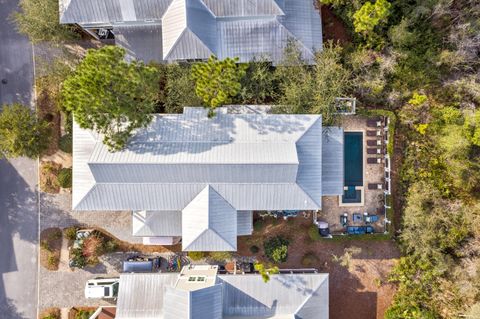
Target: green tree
x,y
258,85
266,271
39,20
369,16
217,81
179,88
21,133
111,96
332,80
295,82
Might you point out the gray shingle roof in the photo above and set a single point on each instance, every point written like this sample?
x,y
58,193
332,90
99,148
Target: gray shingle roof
x,y
195,29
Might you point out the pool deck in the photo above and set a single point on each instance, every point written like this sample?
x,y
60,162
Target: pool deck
x,y
373,200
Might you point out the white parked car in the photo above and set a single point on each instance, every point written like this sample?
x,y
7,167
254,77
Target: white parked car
x,y
102,288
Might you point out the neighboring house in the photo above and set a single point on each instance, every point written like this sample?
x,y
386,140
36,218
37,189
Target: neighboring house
x,y
198,292
177,30
200,178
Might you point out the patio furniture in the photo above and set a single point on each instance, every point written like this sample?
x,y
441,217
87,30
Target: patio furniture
x,y
374,133
357,218
373,186
374,143
374,123
369,219
374,160
359,230
343,220
375,150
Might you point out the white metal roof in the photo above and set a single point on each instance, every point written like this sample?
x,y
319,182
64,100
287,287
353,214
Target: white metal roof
x,y
196,29
254,161
209,223
302,296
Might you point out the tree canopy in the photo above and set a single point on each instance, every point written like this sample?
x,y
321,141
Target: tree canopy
x,y
111,96
39,20
21,133
217,81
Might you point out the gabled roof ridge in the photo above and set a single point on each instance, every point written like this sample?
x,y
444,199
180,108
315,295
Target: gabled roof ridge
x,y
186,31
320,118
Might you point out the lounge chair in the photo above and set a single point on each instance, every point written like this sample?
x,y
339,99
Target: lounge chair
x,y
359,230
374,123
369,219
374,143
374,133
375,186
374,150
374,160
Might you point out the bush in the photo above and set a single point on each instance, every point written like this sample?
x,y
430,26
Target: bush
x,y
92,247
276,249
309,259
258,225
65,178
52,260
220,256
70,233
83,314
44,245
65,143
110,246
78,260
196,255
313,233
56,234
254,249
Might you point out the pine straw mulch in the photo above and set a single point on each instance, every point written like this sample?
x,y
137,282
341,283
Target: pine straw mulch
x,y
50,247
52,312
362,289
333,27
48,111
48,177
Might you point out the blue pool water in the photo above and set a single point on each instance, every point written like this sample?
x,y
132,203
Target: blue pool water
x,y
353,166
353,162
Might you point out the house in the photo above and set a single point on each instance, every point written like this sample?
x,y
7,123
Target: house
x,y
199,292
197,178
178,30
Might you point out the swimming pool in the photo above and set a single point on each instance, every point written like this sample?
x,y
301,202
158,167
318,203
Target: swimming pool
x,y
353,160
353,167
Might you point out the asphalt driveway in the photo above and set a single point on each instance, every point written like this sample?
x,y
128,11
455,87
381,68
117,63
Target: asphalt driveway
x,y
18,180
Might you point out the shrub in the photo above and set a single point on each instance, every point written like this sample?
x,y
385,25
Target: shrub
x,y
65,178
309,259
70,233
110,246
83,314
52,260
44,245
313,233
254,249
78,260
65,143
56,234
196,255
258,225
220,256
276,249
92,246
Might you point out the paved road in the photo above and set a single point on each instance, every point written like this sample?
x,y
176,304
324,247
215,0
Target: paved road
x,y
18,179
